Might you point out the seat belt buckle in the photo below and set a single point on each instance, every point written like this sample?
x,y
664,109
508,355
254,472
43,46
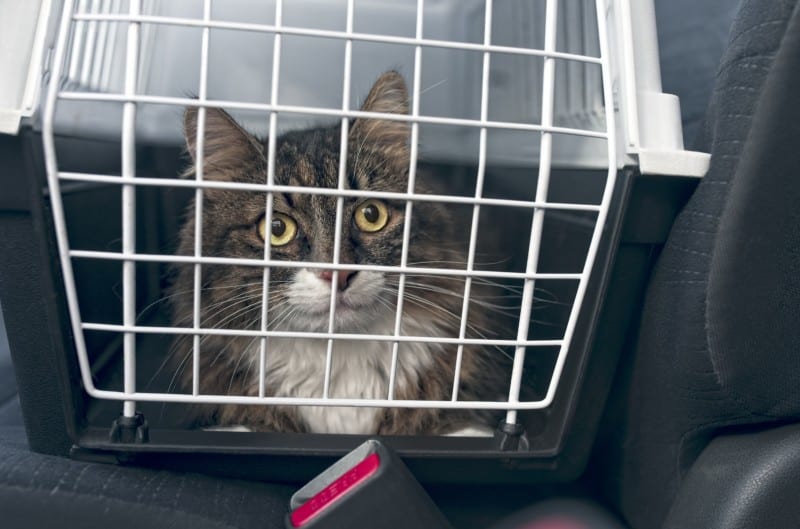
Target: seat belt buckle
x,y
370,487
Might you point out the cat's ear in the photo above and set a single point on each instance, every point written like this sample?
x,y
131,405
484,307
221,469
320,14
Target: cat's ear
x,y
389,96
227,147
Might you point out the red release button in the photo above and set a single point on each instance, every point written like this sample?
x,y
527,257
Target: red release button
x,y
364,469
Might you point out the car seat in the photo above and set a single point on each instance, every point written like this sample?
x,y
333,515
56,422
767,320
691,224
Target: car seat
x,y
702,431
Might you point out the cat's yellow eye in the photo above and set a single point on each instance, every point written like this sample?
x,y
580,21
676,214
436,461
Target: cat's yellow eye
x,y
284,229
371,216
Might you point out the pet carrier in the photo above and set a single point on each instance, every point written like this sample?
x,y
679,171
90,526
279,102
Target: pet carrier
x,y
541,121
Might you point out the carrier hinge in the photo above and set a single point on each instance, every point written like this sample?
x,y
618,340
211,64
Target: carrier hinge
x,y
129,430
510,437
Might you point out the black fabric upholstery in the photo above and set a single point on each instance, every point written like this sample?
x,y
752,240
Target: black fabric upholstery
x,y
38,490
8,384
718,341
753,307
744,481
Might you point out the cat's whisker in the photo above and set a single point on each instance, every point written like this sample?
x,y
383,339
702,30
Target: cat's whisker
x,y
171,352
242,354
252,360
231,301
538,291
431,87
252,323
427,303
458,295
223,304
252,296
284,316
221,353
514,315
178,371
186,292
460,262
478,298
433,308
211,318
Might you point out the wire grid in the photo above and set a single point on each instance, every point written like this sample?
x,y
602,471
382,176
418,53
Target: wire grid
x,y
82,21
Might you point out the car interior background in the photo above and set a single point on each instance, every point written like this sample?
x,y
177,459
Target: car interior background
x,y
697,430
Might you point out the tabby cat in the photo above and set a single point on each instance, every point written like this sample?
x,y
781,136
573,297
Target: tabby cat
x,y
302,229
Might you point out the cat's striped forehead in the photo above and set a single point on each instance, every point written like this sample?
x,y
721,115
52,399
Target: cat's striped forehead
x,y
312,160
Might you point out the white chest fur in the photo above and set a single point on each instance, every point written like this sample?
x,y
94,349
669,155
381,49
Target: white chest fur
x,y
359,370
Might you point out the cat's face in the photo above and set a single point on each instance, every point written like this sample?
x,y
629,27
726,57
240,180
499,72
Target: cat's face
x,y
303,225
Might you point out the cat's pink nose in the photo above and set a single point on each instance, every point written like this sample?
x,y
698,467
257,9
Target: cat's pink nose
x,y
343,279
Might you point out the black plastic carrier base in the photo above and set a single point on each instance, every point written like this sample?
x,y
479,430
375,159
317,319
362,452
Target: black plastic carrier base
x,y
552,444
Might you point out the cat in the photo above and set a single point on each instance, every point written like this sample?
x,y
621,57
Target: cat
x,y
303,230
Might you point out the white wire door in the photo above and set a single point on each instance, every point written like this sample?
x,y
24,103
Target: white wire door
x,y
103,21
